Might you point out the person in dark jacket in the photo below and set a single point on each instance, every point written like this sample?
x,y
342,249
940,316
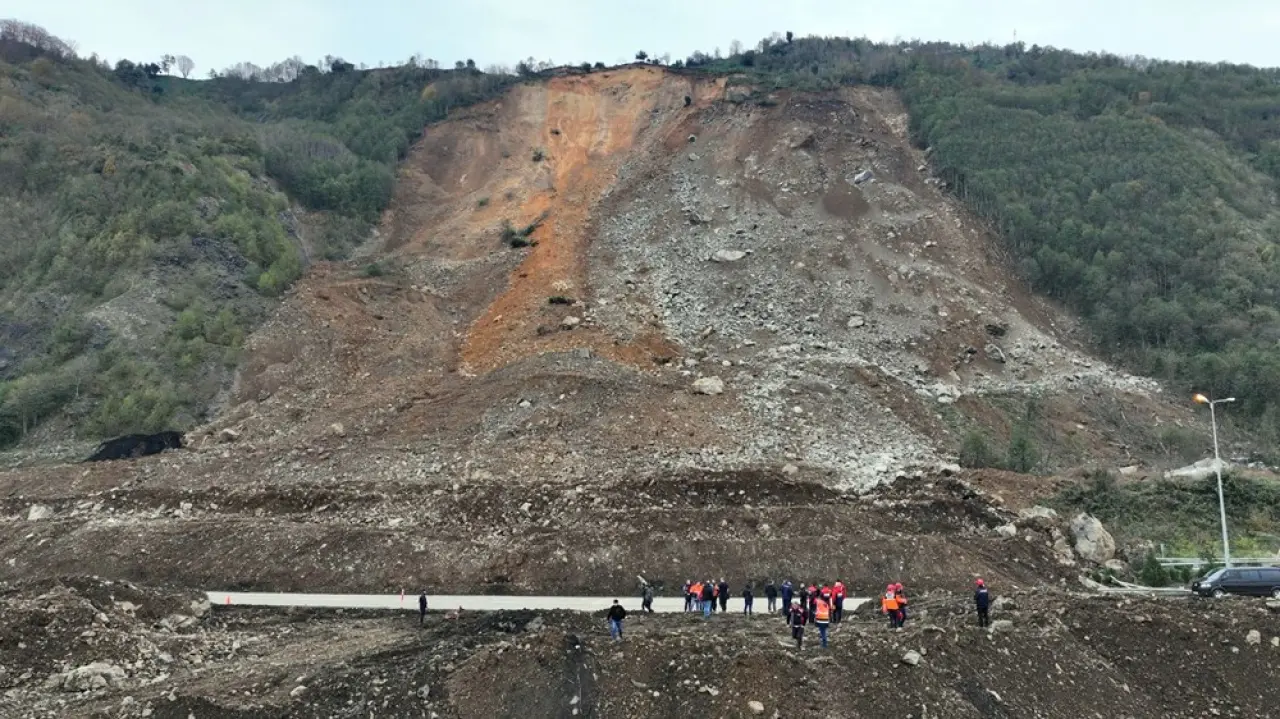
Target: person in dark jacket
x,y
616,615
771,595
708,598
747,598
787,593
724,595
646,599
796,618
422,608
688,595
982,602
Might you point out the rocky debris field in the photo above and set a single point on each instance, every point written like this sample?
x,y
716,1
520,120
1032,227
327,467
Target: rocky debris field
x,y
92,648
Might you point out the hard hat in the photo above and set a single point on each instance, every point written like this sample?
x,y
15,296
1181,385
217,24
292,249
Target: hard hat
x,y
981,583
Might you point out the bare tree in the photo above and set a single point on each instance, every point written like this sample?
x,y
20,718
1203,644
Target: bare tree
x,y
735,48
35,36
185,65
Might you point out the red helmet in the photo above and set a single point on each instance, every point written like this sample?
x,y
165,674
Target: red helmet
x,y
897,587
981,583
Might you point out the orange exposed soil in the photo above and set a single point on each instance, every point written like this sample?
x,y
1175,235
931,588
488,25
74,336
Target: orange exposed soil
x,y
585,127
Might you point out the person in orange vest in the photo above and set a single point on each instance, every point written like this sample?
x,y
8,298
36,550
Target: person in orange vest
x,y
837,600
889,606
796,619
902,603
822,617
695,595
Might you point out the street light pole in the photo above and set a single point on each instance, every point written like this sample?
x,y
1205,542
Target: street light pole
x,y
1217,469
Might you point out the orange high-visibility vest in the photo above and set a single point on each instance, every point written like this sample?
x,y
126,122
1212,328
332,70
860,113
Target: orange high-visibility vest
x,y
822,612
696,590
889,603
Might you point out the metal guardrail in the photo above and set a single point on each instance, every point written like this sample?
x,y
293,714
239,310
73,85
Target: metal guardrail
x,y
1201,561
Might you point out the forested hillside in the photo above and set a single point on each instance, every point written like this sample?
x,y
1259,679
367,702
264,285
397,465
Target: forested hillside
x,y
149,219
1141,193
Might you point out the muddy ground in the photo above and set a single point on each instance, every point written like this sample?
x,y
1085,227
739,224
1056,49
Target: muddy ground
x,y
1053,654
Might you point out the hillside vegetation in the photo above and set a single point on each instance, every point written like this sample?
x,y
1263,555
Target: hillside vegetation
x,y
150,219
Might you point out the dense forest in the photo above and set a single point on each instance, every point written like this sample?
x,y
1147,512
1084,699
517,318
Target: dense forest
x,y
1141,193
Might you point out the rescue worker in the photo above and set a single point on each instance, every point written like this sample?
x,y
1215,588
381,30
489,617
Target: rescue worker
x,y
695,596
646,599
616,615
723,589
422,608
802,593
747,599
771,596
715,595
796,619
812,593
688,594
837,599
787,593
889,606
822,618
708,598
982,602
902,603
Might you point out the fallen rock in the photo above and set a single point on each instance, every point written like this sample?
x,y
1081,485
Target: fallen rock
x,y
338,429
708,385
570,322
1203,469
1003,604
228,435
1274,606
298,691
994,353
862,177
855,322
1254,637
755,707
1093,542
728,255
1000,626
911,658
1116,565
38,512
98,675
1008,531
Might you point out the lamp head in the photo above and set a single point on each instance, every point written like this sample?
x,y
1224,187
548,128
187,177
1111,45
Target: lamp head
x,y
1201,399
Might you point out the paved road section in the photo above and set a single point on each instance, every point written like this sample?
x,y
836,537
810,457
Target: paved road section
x,y
468,602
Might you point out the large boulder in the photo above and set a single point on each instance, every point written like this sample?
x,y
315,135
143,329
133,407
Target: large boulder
x,y
98,675
38,512
1093,542
708,385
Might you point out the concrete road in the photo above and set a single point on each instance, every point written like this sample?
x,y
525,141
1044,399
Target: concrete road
x,y
469,602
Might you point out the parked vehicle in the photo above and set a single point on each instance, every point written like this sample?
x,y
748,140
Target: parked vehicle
x,y
1249,581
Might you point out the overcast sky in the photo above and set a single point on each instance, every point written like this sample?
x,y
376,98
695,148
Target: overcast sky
x,y
222,32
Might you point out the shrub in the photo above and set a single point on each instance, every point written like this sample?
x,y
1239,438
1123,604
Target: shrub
x,y
976,452
1152,573
373,269
538,155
